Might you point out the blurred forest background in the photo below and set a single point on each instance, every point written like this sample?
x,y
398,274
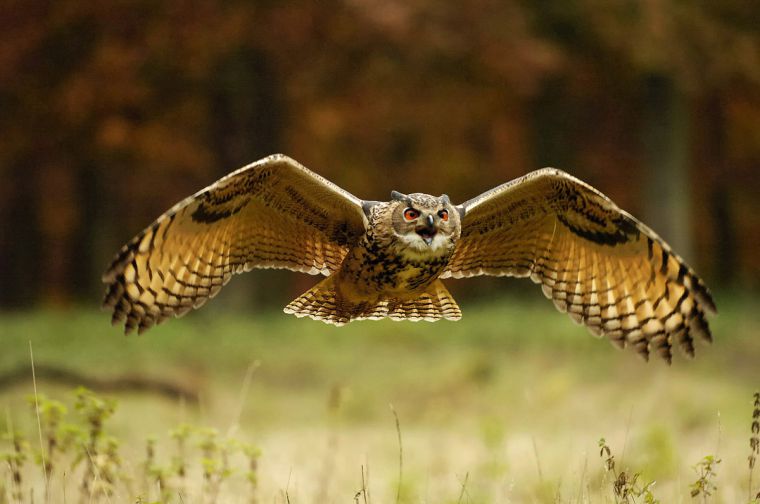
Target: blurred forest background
x,y
110,112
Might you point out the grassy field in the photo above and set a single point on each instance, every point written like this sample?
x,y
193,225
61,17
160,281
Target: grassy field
x,y
507,405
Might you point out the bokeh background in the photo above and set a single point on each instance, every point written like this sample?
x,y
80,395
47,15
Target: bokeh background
x,y
113,111
110,112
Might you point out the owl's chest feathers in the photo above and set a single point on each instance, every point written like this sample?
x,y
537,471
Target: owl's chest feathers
x,y
378,266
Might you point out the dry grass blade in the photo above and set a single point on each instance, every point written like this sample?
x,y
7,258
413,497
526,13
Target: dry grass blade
x,y
464,488
362,491
252,367
538,460
368,493
39,424
400,455
754,444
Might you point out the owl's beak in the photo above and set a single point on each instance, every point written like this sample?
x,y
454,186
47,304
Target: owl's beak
x,y
427,233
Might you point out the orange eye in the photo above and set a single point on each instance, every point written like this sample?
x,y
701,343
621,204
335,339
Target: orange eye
x,y
444,215
410,214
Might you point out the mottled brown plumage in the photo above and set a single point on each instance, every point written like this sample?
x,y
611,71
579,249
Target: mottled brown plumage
x,y
392,270
603,267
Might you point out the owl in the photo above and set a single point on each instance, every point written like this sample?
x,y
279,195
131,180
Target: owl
x,y
596,262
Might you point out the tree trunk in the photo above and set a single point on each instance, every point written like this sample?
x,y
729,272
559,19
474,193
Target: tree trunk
x,y
724,229
665,136
247,107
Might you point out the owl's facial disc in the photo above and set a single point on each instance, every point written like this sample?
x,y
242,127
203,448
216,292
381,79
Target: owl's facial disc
x,y
424,225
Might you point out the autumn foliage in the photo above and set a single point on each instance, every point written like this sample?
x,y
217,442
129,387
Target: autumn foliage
x,y
112,111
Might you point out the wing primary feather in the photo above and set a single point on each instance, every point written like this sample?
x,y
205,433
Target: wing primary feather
x,y
273,213
597,262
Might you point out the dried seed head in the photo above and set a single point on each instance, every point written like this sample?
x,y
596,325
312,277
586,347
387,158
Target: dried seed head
x,y
754,440
620,483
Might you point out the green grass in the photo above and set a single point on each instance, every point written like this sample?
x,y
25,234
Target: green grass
x,y
506,405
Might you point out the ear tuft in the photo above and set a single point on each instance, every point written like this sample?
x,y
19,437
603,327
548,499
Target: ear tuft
x,y
397,196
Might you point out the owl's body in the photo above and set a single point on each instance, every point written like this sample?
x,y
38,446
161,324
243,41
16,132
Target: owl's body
x,y
599,264
386,273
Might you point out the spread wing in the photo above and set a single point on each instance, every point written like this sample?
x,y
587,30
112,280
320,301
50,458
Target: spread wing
x,y
273,213
596,262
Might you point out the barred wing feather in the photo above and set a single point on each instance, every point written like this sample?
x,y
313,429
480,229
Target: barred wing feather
x,y
599,264
273,213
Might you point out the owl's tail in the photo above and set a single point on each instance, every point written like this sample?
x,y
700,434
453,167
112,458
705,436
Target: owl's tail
x,y
324,302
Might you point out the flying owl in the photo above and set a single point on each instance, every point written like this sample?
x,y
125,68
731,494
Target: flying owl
x,y
596,262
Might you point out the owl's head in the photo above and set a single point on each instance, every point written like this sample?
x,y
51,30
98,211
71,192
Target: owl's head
x,y
424,223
